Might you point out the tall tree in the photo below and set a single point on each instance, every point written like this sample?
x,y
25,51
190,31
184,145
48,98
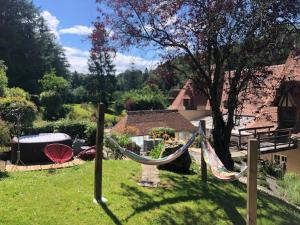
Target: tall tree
x,y
212,35
101,67
27,46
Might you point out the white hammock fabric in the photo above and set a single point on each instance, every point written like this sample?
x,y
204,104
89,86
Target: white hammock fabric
x,y
149,161
160,161
216,166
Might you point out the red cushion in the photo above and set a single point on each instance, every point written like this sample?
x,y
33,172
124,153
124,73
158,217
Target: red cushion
x,y
58,153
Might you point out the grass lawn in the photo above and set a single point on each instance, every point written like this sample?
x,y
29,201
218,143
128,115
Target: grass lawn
x,y
65,197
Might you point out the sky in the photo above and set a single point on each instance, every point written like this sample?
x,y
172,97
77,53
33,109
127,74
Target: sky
x,y
71,22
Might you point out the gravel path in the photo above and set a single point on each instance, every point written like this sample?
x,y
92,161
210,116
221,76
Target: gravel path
x,y
150,176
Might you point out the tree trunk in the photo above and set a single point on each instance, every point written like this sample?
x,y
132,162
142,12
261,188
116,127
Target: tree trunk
x,y
221,139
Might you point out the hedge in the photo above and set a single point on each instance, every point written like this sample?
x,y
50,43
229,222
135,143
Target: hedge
x,y
76,129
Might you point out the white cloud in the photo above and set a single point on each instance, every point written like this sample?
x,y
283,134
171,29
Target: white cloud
x,y
78,30
78,60
124,62
51,21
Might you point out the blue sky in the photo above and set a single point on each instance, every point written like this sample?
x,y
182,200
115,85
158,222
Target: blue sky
x,y
71,22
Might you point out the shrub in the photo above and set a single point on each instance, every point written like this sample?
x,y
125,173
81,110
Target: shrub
x,y
5,133
52,101
289,188
162,132
156,151
18,105
124,141
3,78
17,92
144,99
52,82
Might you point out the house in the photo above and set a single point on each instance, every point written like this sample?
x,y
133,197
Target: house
x,y
190,104
274,106
139,124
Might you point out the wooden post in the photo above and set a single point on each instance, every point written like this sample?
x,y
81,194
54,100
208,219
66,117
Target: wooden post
x,y
203,163
252,182
99,156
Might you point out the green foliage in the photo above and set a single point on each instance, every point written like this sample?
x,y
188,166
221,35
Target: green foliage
x,y
271,168
144,99
156,151
17,92
3,79
52,98
5,133
124,141
81,111
289,188
17,104
79,94
28,47
52,102
88,112
79,129
52,82
131,79
162,132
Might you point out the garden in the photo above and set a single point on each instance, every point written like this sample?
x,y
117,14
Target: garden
x,y
207,55
65,197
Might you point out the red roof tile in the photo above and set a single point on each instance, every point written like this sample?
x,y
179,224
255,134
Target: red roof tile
x,y
141,122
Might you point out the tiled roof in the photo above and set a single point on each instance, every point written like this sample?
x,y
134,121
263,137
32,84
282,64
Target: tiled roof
x,y
260,102
141,122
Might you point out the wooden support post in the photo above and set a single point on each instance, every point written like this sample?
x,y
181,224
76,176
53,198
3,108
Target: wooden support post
x,y
99,156
252,182
203,163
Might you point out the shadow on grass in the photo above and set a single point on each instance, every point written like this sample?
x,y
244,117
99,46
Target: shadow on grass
x,y
211,202
3,175
112,216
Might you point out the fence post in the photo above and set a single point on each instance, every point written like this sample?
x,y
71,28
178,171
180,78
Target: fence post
x,y
252,182
99,156
203,163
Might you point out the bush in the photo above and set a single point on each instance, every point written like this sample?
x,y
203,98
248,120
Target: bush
x,y
124,141
156,151
76,129
144,99
17,92
18,105
5,134
289,188
52,102
3,78
162,132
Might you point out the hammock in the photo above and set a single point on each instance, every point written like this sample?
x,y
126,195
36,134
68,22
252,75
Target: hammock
x,y
216,166
156,162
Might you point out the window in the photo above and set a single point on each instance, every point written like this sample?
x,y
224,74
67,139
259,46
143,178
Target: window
x,y
279,159
287,117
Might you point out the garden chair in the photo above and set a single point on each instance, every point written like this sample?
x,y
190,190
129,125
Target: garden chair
x,y
59,153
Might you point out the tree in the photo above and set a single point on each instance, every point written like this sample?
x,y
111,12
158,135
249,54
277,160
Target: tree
x,y
27,46
141,99
54,91
3,79
213,37
130,79
101,67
